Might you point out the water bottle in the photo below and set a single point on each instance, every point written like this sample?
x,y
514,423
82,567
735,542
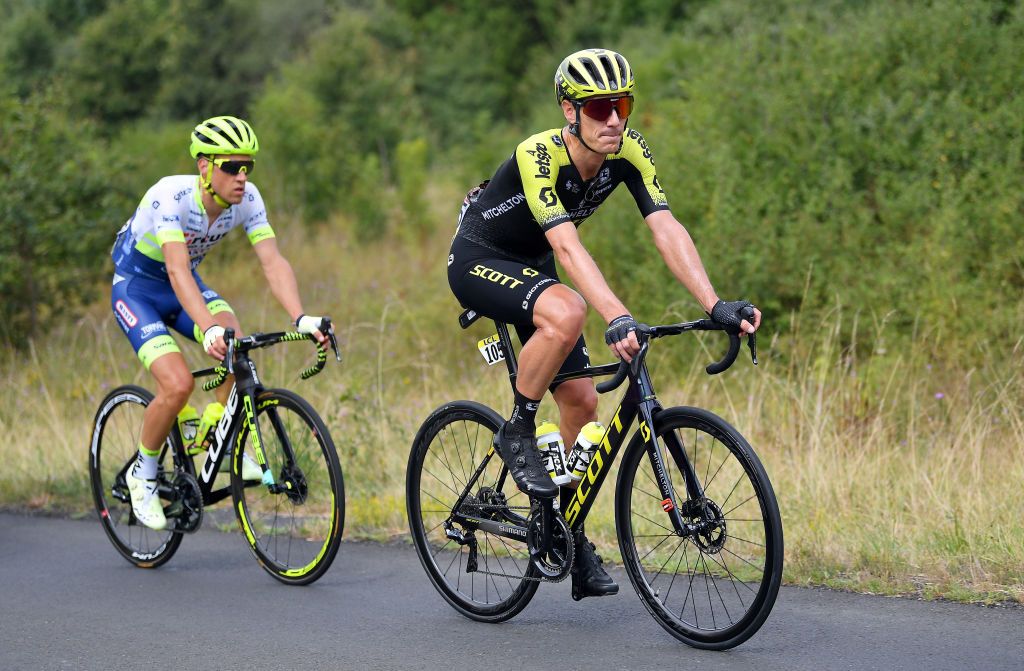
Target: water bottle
x,y
583,451
211,417
188,424
549,443
204,434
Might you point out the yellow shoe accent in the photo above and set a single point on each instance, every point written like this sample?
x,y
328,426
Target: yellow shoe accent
x,y
146,502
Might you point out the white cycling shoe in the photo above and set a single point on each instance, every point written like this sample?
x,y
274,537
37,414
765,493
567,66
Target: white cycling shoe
x,y
146,501
250,469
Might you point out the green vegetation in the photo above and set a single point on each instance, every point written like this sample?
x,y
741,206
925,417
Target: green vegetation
x,y
852,166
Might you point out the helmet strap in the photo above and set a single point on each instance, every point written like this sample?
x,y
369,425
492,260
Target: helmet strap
x,y
575,128
207,182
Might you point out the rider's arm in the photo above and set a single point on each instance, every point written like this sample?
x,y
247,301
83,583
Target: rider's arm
x,y
281,279
280,276
583,272
184,284
677,248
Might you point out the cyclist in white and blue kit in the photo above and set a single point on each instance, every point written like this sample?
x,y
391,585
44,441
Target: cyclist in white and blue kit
x,y
156,286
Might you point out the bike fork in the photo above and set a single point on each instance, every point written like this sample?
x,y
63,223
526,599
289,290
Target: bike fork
x,y
668,496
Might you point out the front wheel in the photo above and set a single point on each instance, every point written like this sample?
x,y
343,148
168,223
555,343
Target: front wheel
x,y
713,583
294,525
115,442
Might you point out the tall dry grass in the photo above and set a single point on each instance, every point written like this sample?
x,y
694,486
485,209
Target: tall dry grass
x,y
896,471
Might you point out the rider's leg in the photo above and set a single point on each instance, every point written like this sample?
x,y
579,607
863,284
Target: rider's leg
x,y
558,316
174,386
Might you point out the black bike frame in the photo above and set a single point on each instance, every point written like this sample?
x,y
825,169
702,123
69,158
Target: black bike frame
x,y
639,402
237,415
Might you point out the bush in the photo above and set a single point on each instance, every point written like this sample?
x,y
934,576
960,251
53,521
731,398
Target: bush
x,y
56,213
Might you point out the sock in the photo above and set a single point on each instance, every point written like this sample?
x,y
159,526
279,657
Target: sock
x,y
524,415
145,466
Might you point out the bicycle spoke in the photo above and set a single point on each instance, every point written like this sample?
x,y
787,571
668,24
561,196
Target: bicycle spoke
x,y
752,496
702,601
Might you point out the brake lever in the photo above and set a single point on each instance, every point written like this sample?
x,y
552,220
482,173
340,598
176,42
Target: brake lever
x,y
328,328
752,344
229,340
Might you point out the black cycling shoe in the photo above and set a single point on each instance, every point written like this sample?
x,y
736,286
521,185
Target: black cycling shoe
x,y
588,576
524,464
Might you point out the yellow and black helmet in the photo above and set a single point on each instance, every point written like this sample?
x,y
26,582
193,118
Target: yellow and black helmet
x,y
593,72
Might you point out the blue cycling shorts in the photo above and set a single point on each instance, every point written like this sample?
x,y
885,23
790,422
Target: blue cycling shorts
x,y
145,307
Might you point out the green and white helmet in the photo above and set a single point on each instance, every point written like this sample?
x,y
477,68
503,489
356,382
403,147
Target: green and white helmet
x,y
224,135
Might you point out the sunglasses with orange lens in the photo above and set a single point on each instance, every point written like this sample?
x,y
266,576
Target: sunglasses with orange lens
x,y
600,109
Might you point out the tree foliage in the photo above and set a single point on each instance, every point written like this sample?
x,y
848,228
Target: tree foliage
x,y
860,152
56,214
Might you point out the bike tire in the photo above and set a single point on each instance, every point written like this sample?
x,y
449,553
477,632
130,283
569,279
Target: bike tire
x,y
115,441
728,577
448,448
294,534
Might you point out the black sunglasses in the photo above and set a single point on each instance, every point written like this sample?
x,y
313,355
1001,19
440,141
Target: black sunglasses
x,y
233,167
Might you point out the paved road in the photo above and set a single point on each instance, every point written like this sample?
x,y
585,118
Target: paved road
x,y
68,601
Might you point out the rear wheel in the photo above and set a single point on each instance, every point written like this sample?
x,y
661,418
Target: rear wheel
x,y
115,442
484,576
293,526
714,585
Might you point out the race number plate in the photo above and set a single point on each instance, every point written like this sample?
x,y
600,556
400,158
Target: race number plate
x,y
490,348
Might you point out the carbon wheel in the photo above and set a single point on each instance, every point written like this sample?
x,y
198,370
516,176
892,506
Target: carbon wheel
x,y
294,525
714,585
482,575
115,442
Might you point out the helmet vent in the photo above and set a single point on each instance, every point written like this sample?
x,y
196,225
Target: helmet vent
x,y
594,73
609,69
623,71
576,75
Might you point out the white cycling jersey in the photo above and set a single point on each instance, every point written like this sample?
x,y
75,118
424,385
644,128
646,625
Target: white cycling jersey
x,y
172,210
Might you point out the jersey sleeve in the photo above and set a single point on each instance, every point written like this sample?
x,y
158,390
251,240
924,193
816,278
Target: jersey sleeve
x,y
165,214
642,178
538,168
255,222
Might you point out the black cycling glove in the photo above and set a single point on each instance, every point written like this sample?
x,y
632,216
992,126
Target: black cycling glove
x,y
731,313
619,329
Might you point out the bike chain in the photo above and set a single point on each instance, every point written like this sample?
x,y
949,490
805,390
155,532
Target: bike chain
x,y
484,506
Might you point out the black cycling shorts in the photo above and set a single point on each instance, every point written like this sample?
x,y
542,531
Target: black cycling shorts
x,y
507,290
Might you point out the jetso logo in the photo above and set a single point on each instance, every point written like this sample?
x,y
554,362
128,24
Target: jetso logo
x,y
221,436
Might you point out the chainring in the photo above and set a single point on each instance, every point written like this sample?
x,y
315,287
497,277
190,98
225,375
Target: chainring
x,y
556,564
190,500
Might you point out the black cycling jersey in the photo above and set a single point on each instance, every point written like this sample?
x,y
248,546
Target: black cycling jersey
x,y
539,188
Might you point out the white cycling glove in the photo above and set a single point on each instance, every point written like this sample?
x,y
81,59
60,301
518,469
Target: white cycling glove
x,y
307,324
210,336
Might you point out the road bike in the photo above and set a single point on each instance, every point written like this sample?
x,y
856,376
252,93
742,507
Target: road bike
x,y
292,517
696,518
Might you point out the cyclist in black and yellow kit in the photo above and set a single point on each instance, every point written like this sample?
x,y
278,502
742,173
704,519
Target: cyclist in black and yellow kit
x,y
502,261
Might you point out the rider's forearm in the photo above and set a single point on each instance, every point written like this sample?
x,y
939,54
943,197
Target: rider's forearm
x,y
187,291
283,285
680,255
587,278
